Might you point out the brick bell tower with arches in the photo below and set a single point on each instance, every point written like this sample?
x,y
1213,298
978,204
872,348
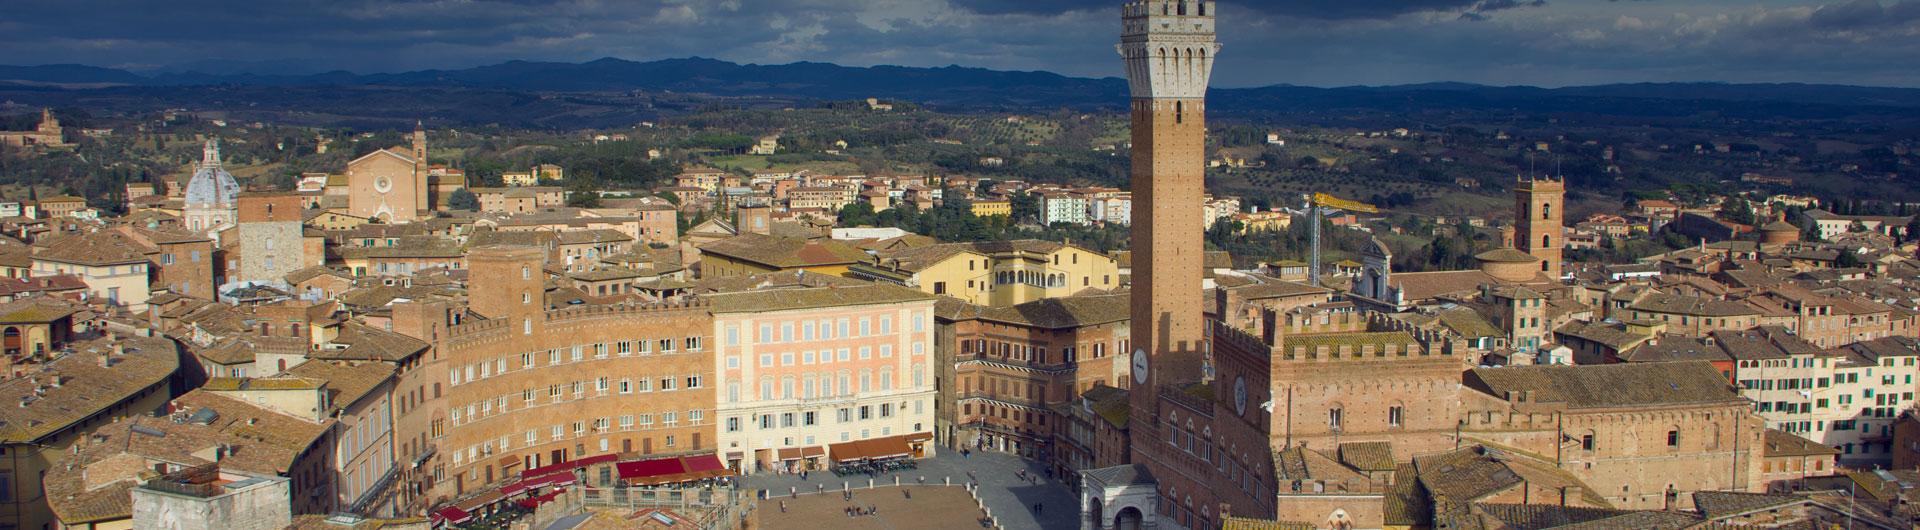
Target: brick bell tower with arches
x,y
1169,47
1540,221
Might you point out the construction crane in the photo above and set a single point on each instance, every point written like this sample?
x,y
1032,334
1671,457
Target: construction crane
x,y
1317,206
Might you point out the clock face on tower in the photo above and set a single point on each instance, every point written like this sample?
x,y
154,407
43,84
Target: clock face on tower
x,y
1140,366
1240,395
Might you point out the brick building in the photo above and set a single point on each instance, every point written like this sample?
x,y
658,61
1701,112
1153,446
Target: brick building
x,y
1016,367
532,386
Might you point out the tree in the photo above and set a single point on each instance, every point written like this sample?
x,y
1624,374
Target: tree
x,y
1847,260
1025,207
857,213
1737,210
461,199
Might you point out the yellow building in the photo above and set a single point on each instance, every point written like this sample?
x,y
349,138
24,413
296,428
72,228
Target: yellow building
x,y
1263,221
992,207
331,220
550,172
752,253
995,272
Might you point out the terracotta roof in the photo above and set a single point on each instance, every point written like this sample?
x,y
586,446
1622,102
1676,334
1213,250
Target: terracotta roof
x,y
1691,305
1885,347
1406,502
1417,286
1466,475
243,350
1723,504
316,271
1506,255
1460,320
1782,443
1766,342
259,441
346,382
1265,288
784,253
815,297
1608,385
366,343
36,310
101,248
409,247
918,258
85,387
1367,456
1051,313
588,237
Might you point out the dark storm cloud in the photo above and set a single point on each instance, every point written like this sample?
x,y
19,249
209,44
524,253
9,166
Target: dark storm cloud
x,y
1312,42
1316,9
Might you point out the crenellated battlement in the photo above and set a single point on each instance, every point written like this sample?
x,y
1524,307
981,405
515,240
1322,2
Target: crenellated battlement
x,y
1238,339
1436,341
1175,9
1169,47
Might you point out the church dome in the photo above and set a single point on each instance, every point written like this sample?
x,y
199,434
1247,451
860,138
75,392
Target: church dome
x,y
212,186
1509,265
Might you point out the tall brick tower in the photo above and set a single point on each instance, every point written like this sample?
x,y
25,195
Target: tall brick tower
x,y
420,188
1169,48
1540,215
507,283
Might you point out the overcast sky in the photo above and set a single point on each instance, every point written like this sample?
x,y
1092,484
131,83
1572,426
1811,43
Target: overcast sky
x,y
1302,42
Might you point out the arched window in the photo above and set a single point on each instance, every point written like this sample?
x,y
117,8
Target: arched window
x,y
1546,210
1546,241
1335,417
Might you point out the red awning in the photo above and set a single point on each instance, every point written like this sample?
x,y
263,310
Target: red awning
x,y
569,465
532,502
452,515
672,470
562,478
705,463
789,453
478,501
646,469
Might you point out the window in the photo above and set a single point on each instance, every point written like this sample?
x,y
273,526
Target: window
x,y
693,381
1393,415
1673,438
693,343
733,424
1586,442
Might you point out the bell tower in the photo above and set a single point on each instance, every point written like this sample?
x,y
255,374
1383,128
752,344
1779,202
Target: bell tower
x,y
420,189
1540,221
1168,46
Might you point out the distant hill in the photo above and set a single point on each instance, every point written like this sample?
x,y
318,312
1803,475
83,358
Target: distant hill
x,y
976,88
